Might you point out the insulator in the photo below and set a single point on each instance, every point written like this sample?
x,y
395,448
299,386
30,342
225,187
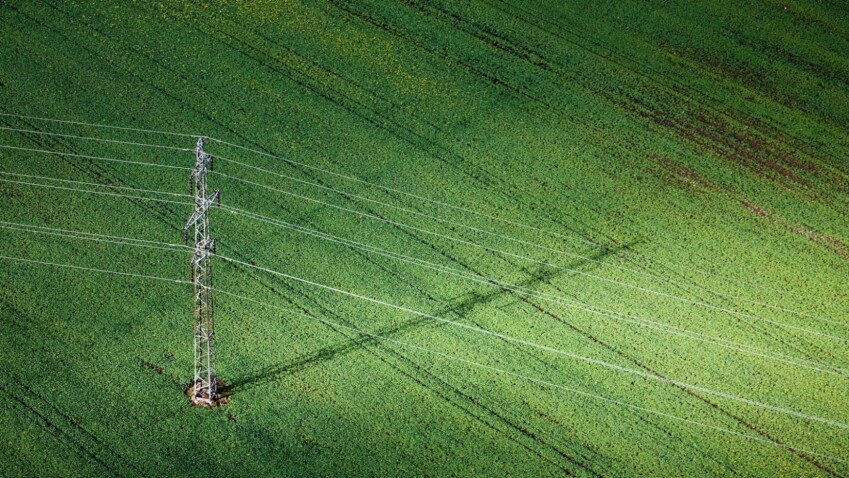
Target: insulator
x,y
218,200
191,191
186,237
211,164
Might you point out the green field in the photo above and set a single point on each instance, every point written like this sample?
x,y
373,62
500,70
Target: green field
x,y
549,238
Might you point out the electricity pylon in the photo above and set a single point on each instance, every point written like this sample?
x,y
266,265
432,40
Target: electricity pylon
x,y
204,390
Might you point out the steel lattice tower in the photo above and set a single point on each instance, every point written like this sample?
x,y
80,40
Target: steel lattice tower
x,y
203,390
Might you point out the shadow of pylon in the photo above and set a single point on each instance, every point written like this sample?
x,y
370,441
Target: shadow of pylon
x,y
461,305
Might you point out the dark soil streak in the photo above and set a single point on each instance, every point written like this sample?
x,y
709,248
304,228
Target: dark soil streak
x,y
673,86
716,136
148,364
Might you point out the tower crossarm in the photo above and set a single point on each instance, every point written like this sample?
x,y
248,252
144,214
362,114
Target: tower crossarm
x,y
203,160
200,209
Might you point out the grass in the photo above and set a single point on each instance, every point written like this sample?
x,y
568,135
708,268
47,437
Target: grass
x,y
690,162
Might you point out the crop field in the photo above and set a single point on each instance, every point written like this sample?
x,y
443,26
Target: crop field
x,y
491,238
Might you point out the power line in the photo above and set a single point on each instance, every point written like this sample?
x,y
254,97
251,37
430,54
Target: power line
x,y
91,269
411,211
135,189
409,194
472,211
780,324
436,218
104,193
445,221
70,231
52,120
508,338
742,348
498,251
601,313
101,185
649,274
398,191
662,277
537,261
468,210
92,138
449,357
532,379
99,158
614,315
94,237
